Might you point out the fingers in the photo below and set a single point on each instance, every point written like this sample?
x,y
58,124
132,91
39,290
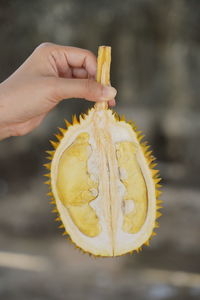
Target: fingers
x,y
112,102
82,88
79,73
74,70
81,58
63,57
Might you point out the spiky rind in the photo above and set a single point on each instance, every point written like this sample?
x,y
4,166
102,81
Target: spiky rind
x,y
150,161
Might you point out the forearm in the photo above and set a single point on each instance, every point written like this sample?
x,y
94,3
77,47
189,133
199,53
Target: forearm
x,y
4,128
4,133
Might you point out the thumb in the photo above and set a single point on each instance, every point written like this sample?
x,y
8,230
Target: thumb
x,y
83,88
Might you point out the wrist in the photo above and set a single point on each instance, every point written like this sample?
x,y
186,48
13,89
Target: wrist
x,y
4,129
4,133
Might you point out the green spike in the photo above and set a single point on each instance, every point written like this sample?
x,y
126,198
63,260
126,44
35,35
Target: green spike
x,y
155,173
153,165
158,193
49,157
158,214
139,133
47,182
67,123
159,201
50,152
148,153
116,115
159,206
47,175
83,116
123,118
54,144
133,125
58,136
61,226
48,166
157,180
50,194
140,138
158,185
52,202
75,120
62,130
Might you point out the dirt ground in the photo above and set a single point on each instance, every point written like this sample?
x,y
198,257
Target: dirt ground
x,y
49,267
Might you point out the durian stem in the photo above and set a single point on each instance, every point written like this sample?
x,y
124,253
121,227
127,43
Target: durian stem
x,y
103,71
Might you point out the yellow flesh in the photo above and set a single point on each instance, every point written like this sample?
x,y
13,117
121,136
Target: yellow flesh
x,y
131,176
75,186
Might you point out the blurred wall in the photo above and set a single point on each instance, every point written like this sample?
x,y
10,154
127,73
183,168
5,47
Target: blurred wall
x,y
156,69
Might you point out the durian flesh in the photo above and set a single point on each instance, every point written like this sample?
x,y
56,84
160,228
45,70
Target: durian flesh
x,y
103,183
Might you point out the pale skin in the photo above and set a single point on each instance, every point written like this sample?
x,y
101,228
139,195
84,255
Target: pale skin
x,y
50,74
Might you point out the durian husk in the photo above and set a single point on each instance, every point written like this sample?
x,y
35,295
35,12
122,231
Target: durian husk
x,y
103,76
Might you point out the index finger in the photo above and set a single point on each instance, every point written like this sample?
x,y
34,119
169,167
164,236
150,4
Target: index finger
x,y
81,58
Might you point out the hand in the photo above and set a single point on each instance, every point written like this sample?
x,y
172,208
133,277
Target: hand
x,y
50,74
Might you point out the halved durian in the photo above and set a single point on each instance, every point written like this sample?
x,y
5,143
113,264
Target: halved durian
x,y
103,180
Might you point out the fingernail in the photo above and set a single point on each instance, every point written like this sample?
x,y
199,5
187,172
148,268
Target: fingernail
x,y
112,102
109,92
93,71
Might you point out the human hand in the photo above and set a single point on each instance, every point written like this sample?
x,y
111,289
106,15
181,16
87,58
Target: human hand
x,y
50,74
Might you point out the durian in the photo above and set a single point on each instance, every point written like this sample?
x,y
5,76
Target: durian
x,y
102,179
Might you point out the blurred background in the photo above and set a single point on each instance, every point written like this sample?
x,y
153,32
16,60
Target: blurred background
x,y
156,69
